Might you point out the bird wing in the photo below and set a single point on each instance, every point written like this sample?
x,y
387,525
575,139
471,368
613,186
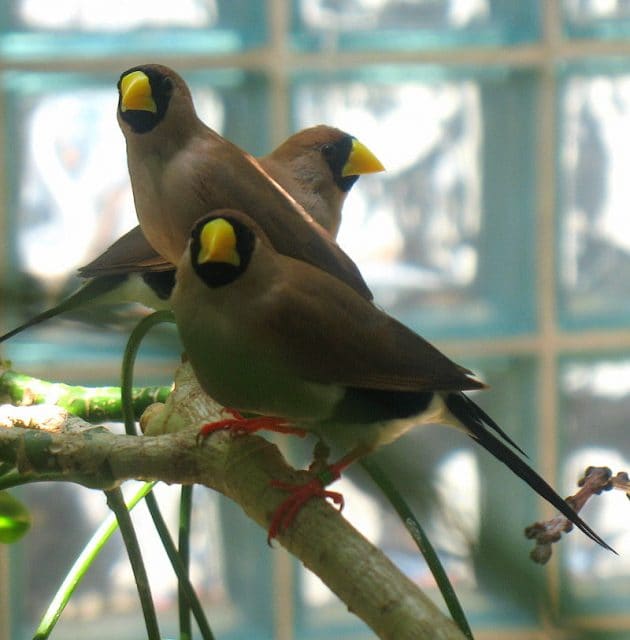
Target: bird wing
x,y
92,290
328,333
130,253
229,177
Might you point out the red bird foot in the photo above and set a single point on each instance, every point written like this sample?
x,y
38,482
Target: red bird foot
x,y
240,425
300,494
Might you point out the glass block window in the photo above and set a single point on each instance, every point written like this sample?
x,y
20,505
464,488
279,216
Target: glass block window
x,y
609,19
101,28
499,231
594,397
402,25
594,106
418,230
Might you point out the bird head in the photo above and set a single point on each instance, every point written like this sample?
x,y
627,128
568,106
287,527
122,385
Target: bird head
x,y
316,153
348,158
221,247
145,93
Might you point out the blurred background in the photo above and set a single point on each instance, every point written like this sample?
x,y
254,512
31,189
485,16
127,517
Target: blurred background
x,y
500,231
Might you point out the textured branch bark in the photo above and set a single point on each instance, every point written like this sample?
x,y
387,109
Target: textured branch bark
x,y
241,468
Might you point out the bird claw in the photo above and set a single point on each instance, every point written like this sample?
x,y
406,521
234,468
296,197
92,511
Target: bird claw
x,y
300,494
239,425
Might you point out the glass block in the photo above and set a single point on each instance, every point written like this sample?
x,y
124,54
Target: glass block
x,y
69,193
228,569
608,19
95,28
594,405
593,195
471,506
404,25
445,235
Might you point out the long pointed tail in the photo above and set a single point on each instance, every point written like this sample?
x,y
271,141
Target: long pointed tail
x,y
91,290
476,422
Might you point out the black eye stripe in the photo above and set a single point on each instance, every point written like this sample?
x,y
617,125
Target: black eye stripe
x,y
218,274
162,88
336,155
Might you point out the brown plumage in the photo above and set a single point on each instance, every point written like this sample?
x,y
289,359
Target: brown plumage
x,y
309,165
180,169
298,165
315,179
272,335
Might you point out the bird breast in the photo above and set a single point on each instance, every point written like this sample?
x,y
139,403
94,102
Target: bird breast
x,y
169,195
235,363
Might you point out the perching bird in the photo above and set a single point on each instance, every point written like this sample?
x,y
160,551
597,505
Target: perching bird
x,y
180,169
271,335
317,166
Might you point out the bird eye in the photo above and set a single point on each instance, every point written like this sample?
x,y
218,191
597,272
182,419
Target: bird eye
x,y
167,86
328,150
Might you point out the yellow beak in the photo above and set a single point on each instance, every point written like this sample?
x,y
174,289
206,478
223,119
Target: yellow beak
x,y
360,161
218,243
135,93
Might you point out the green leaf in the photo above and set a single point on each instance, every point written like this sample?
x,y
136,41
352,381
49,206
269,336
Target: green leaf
x,y
15,519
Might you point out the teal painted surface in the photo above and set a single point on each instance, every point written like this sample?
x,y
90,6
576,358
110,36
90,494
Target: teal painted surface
x,y
394,25
208,27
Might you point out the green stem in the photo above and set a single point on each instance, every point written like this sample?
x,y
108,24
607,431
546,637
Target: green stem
x,y
116,503
81,566
126,528
129,359
184,583
185,515
94,404
413,526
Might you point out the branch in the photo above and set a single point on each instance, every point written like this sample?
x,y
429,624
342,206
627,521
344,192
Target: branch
x,y
90,403
66,448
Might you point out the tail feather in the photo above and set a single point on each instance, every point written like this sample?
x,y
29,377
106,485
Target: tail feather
x,y
476,421
483,418
89,291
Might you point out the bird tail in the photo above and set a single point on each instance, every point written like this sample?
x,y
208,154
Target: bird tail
x,y
89,291
476,422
